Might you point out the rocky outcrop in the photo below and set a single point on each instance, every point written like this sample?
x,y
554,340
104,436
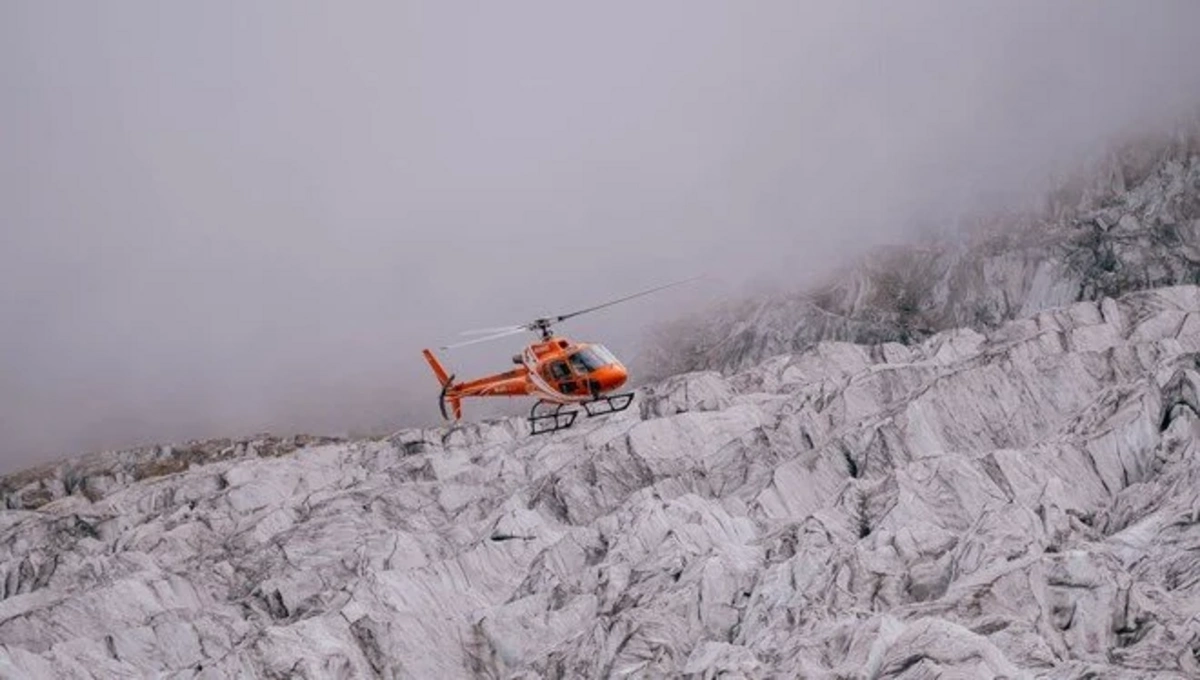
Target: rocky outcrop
x,y
1023,501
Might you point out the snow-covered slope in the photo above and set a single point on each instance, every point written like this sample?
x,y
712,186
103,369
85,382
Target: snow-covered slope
x,y
1021,502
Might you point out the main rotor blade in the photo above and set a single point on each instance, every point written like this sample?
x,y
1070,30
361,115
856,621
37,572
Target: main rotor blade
x,y
488,331
541,325
486,338
564,317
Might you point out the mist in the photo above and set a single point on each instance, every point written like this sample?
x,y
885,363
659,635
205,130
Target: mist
x,y
223,218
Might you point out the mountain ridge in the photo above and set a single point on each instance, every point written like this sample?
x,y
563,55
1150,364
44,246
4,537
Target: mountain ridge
x,y
1133,223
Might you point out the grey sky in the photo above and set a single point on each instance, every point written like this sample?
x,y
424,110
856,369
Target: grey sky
x,y
227,217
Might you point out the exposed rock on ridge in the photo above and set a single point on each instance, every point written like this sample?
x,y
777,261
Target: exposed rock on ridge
x,y
1016,502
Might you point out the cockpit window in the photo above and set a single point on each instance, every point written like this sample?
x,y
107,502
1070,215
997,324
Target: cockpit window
x,y
592,357
558,370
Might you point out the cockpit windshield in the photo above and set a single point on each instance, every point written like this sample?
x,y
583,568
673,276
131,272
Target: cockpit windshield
x,y
592,357
603,353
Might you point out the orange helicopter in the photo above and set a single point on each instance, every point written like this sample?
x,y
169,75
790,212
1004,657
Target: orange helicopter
x,y
556,370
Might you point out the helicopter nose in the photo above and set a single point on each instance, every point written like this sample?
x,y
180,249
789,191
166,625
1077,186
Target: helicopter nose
x,y
610,377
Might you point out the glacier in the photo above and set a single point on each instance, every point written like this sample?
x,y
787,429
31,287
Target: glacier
x,y
1014,502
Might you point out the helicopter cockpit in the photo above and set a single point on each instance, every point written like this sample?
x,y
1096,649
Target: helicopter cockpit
x,y
571,375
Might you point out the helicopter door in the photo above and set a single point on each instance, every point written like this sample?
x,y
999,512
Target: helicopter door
x,y
582,371
562,378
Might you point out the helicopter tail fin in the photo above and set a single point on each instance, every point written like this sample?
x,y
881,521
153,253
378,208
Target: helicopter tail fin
x,y
438,370
447,381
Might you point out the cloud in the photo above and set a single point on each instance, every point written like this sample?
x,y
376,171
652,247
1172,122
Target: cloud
x,y
225,218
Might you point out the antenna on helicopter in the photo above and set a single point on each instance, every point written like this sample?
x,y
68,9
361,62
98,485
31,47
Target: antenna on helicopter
x,y
542,325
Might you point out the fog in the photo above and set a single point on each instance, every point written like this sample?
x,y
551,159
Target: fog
x,y
220,218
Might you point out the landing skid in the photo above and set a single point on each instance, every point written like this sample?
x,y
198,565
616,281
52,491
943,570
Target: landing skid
x,y
550,420
605,405
553,420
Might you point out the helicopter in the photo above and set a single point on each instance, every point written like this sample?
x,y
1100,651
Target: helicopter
x,y
560,372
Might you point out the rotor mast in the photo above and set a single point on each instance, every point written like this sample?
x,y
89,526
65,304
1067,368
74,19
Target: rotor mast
x,y
542,326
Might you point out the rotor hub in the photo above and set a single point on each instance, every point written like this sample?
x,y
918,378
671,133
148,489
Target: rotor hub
x,y
542,326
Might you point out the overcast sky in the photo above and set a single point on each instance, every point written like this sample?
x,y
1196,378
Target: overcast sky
x,y
218,218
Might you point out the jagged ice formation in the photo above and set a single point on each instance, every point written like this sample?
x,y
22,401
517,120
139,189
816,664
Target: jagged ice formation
x,y
1024,501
